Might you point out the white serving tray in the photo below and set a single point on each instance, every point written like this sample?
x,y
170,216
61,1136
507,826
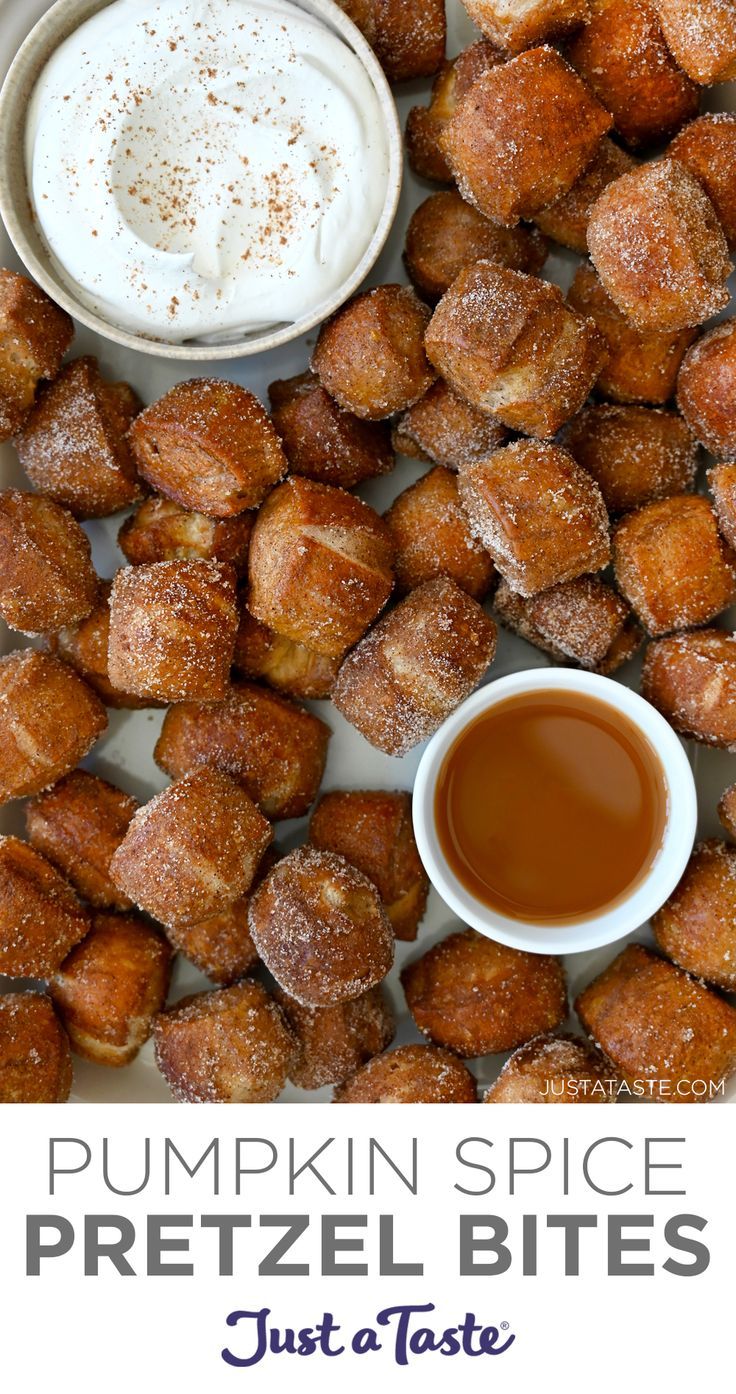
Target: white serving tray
x,y
124,755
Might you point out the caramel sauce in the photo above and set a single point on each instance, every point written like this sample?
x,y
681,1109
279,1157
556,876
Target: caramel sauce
x,y
550,806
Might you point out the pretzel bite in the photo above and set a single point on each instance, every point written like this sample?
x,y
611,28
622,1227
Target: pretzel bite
x,y
541,516
706,389
84,647
722,484
640,365
511,346
432,537
35,1059
46,573
109,989
415,666
445,234
40,916
78,825
413,1074
566,220
290,668
517,24
209,446
555,1070
522,135
407,36
657,1024
672,565
320,566
320,928
425,125
372,829
370,355
582,621
333,1042
477,997
271,746
160,530
727,810
172,630
696,927
34,336
702,36
635,454
73,445
230,1046
220,946
691,680
445,429
50,720
658,247
324,442
193,850
707,147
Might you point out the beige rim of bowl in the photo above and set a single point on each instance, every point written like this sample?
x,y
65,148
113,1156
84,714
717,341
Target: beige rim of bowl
x,y
15,208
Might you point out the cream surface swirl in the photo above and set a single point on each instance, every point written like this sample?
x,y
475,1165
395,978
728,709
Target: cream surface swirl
x,y
204,169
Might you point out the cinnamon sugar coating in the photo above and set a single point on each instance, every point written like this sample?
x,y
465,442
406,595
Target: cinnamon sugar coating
x,y
696,927
566,220
324,442
230,1046
274,748
78,825
46,573
517,24
320,928
172,630
160,530
541,516
370,354
290,668
635,454
657,1024
641,365
220,945
320,566
412,1074
476,997
706,389
50,720
707,147
555,1070
691,680
659,249
35,1059
84,646
512,346
193,850
73,445
584,622
208,444
722,484
522,135
623,57
407,36
426,124
41,918
727,810
445,234
334,1042
372,829
34,336
702,36
672,565
110,987
432,537
415,666
445,429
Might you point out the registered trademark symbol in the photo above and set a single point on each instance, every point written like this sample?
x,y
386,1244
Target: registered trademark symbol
x,y
504,1326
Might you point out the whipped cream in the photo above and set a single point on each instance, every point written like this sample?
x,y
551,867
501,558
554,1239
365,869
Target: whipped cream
x,y
203,169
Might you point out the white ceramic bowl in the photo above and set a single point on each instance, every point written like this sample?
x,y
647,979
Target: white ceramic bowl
x,y
15,209
646,897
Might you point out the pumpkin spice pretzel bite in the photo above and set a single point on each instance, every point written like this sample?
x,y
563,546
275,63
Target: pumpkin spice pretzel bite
x,y
555,1070
193,850
50,721
324,442
84,647
696,927
672,565
445,429
706,389
110,987
432,537
34,336
230,1046
566,220
425,124
78,825
722,484
412,1074
160,530
415,666
702,36
445,234
408,37
333,1042
208,444
707,147
73,445
220,945
635,454
370,354
41,918
691,680
46,575
583,621
320,566
35,1059
290,668
517,24
320,928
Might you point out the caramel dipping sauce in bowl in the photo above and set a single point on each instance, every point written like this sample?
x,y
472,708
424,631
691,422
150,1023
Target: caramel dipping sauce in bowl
x,y
555,810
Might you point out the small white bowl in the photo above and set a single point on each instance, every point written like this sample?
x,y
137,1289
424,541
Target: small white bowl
x,y
648,895
57,24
